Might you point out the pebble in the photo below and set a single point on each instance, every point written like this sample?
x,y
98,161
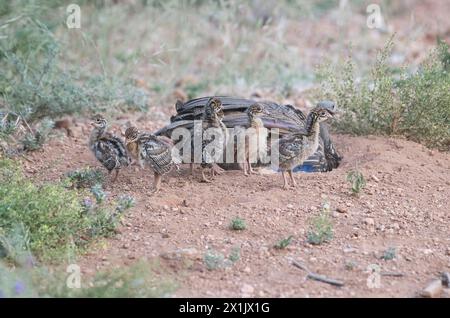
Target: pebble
x,y
341,210
247,289
445,278
349,250
369,221
433,289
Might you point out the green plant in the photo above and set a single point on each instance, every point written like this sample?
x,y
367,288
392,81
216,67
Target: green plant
x,y
85,178
213,259
389,254
393,101
350,265
282,244
51,218
357,181
98,193
321,227
216,260
235,254
125,202
238,224
136,281
35,140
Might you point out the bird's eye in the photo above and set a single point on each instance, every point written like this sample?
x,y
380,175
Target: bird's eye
x,y
323,114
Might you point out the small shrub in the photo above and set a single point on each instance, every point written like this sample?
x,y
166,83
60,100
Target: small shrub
x,y
282,244
389,254
98,193
350,265
238,224
136,281
213,259
85,178
321,227
357,181
51,217
235,255
391,101
125,202
216,260
34,141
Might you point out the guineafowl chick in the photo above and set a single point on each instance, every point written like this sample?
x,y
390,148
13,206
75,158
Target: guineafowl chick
x,y
107,148
255,137
212,121
295,148
149,149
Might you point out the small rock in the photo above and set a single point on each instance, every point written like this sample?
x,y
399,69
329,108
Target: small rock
x,y
369,221
395,226
375,178
427,251
349,250
290,206
247,289
247,269
165,235
341,210
434,289
445,278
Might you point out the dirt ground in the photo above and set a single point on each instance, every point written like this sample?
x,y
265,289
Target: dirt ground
x,y
404,206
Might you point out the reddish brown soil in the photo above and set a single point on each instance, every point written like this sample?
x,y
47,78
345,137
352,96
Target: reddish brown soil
x,y
405,205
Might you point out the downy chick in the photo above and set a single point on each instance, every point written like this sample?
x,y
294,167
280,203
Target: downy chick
x,y
295,148
149,149
107,148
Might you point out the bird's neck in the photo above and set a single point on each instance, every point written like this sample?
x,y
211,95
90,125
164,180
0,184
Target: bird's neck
x,y
96,134
255,122
212,119
312,124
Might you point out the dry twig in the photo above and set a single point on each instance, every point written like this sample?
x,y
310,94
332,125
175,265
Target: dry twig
x,y
318,277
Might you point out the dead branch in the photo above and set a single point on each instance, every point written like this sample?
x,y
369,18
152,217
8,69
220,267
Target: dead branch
x,y
318,277
392,274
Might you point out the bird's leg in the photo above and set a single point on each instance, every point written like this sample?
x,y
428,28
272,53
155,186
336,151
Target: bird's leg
x,y
251,169
285,185
191,168
156,182
115,175
204,179
217,169
245,168
294,184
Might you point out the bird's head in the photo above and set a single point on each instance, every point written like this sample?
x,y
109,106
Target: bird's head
x,y
324,110
98,121
131,134
257,110
214,108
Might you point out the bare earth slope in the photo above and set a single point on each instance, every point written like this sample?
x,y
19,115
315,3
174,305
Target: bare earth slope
x,y
405,206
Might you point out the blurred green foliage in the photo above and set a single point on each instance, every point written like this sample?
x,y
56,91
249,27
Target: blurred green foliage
x,y
388,101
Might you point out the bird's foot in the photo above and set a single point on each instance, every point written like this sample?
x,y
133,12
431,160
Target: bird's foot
x,y
218,170
204,178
